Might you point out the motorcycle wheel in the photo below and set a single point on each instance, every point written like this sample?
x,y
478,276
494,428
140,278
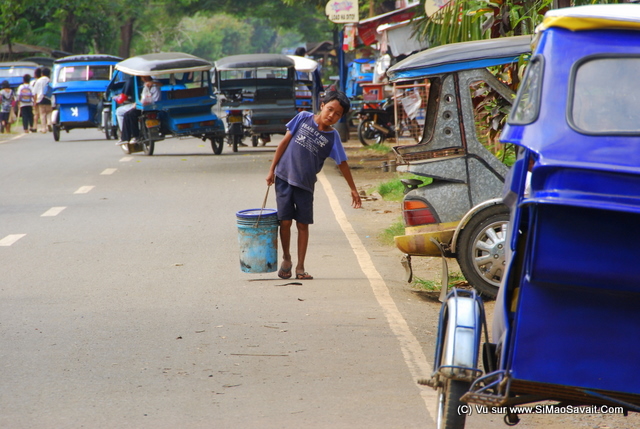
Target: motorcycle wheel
x,y
56,132
368,134
148,145
236,141
217,145
108,130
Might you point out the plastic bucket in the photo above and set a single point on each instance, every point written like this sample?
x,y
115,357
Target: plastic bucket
x,y
258,240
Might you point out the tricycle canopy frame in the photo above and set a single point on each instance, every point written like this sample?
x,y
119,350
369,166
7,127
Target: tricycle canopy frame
x,y
162,64
460,56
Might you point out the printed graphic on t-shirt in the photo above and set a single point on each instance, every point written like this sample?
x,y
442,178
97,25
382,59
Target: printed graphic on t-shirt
x,y
310,138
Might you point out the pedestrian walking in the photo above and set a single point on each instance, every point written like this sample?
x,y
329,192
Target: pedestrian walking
x,y
42,92
37,74
25,98
309,141
7,100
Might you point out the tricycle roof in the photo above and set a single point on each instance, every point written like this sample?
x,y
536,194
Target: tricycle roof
x,y
577,104
593,17
18,64
460,56
302,64
88,59
254,61
162,63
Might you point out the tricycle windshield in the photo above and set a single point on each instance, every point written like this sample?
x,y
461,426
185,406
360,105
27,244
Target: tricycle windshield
x,y
611,108
84,73
197,79
255,73
15,72
527,106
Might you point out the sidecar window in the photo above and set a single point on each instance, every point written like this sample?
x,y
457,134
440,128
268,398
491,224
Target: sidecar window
x,y
527,106
605,96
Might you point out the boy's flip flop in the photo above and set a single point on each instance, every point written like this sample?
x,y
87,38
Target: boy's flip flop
x,y
303,276
284,273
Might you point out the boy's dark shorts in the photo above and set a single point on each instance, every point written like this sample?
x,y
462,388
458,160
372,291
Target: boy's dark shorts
x,y
293,202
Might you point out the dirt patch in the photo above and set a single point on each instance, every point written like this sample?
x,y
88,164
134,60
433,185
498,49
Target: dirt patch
x,y
368,169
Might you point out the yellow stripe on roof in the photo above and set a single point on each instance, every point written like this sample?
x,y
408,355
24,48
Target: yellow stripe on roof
x,y
584,23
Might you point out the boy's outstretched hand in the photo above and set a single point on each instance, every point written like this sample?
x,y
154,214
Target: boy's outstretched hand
x,y
356,202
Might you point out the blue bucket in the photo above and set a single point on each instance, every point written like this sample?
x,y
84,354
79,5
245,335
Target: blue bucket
x,y
258,240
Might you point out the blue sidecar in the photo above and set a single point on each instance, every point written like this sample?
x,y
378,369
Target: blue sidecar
x,y
566,315
79,83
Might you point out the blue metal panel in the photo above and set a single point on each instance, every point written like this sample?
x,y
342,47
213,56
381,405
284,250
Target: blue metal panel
x,y
71,98
77,113
578,301
550,135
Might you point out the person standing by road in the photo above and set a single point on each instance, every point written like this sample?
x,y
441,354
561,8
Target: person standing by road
x,y
309,141
150,94
43,100
25,103
37,74
6,106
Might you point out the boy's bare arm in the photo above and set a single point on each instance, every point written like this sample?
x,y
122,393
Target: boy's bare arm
x,y
276,158
356,202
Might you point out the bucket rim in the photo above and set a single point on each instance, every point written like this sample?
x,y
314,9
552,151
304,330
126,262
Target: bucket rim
x,y
254,213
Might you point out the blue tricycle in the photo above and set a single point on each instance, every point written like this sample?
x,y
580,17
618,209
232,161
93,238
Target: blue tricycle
x,y
79,83
185,108
566,317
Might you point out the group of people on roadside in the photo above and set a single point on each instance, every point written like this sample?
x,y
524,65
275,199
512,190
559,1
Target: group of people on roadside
x,y
30,101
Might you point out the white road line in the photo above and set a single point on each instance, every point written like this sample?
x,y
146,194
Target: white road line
x,y
414,357
108,171
10,239
126,158
13,138
53,211
84,189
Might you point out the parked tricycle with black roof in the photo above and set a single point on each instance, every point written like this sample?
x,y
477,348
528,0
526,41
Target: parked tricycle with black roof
x,y
459,213
259,95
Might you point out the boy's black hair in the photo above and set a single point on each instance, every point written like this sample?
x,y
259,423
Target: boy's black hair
x,y
4,84
340,97
46,71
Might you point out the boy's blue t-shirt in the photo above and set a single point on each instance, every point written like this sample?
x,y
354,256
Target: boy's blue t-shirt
x,y
309,147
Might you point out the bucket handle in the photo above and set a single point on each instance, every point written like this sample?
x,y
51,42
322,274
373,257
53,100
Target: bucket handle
x,y
264,203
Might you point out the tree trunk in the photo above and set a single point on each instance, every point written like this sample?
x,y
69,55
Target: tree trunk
x,y
126,34
68,32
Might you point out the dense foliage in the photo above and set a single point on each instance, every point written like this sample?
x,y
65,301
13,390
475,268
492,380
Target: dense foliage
x,y
207,28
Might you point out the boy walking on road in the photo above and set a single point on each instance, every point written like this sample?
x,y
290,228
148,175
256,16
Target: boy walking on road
x,y
310,139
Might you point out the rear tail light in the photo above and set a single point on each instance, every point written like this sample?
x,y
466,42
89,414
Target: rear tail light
x,y
207,123
184,126
261,122
152,115
417,212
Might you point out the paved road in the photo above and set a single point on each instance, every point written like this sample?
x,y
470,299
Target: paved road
x,y
122,303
